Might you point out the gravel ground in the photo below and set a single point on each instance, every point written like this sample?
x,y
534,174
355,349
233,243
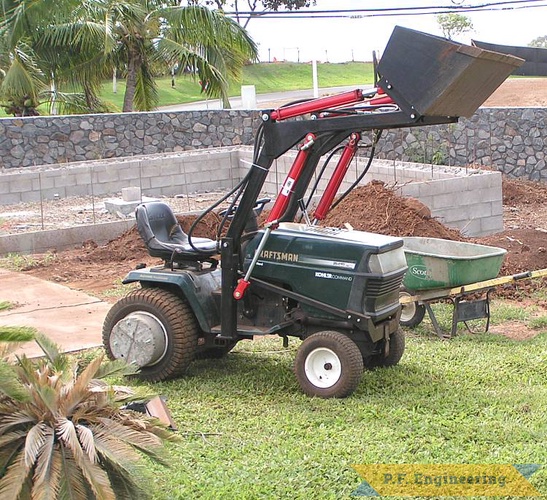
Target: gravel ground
x,y
76,211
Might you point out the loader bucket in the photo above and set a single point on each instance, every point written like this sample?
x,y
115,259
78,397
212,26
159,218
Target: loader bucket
x,y
432,76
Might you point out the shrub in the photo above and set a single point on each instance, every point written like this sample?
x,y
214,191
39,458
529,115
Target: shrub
x,y
68,434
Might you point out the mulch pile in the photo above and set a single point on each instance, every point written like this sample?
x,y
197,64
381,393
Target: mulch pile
x,y
378,209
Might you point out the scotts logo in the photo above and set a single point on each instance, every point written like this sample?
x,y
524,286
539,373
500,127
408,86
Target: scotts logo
x,y
419,272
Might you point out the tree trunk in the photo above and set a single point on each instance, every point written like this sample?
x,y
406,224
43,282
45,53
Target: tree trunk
x,y
131,82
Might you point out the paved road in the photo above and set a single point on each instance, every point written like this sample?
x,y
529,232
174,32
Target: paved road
x,y
263,101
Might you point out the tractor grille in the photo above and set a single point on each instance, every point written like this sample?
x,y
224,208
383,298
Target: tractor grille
x,y
376,287
381,298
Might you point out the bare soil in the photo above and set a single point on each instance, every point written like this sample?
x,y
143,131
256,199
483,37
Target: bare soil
x,y
517,92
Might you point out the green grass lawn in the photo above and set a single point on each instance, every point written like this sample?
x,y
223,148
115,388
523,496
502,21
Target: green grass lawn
x,y
267,77
274,77
248,432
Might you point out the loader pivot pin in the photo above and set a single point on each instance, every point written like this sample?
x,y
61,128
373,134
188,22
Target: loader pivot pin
x,y
240,289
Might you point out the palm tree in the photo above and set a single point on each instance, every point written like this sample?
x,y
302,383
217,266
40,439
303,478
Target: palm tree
x,y
204,42
209,44
81,42
10,338
67,435
34,70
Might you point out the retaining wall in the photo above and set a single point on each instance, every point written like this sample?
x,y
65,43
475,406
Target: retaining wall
x,y
462,198
161,174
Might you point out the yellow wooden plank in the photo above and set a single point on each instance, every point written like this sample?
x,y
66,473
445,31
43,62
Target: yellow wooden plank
x,y
472,287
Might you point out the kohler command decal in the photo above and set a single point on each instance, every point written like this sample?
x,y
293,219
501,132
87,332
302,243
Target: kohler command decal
x,y
332,276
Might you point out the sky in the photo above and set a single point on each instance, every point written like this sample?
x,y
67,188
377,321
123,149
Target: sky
x,y
340,40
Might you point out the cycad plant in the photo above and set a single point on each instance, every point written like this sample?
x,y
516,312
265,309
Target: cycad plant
x,y
65,433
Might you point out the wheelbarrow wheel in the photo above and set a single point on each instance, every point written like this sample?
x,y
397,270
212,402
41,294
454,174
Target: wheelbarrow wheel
x,y
396,350
412,313
328,365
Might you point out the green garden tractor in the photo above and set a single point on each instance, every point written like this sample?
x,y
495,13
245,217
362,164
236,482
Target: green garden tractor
x,y
336,289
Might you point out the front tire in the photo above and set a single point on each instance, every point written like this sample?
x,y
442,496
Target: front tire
x,y
396,350
328,365
154,329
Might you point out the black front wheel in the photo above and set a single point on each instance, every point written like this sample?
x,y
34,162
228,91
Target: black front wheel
x,y
154,329
217,352
395,352
328,365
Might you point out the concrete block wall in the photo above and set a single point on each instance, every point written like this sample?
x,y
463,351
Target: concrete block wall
x,y
466,199
61,239
157,175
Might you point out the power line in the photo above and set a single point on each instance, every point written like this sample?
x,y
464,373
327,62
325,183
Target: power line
x,y
392,11
385,14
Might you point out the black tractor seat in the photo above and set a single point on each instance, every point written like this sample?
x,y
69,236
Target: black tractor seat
x,y
164,238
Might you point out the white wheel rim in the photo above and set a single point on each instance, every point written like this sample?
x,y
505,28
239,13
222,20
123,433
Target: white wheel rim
x,y
323,368
407,310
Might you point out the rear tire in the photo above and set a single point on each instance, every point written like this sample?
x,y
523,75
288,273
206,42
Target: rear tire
x,y
412,313
155,329
396,350
328,365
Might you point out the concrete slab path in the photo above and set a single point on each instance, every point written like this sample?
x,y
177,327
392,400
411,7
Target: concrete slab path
x,y
72,319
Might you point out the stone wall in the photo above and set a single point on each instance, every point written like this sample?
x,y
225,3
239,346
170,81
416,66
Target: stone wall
x,y
34,141
510,140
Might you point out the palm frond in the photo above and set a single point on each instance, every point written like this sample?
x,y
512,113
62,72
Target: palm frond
x,y
66,433
47,475
73,484
10,445
78,391
147,442
123,483
86,438
50,349
116,368
12,417
97,478
15,476
10,385
36,437
94,474
18,81
16,334
146,91
113,450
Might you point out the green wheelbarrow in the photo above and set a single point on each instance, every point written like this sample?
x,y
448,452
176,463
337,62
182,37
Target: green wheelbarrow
x,y
440,270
